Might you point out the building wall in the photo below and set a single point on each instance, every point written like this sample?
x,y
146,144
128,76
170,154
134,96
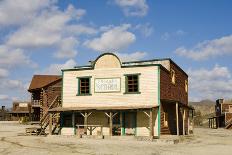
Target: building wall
x,y
225,107
174,92
148,83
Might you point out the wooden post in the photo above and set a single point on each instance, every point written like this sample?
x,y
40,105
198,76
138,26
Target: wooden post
x,y
50,124
121,123
209,122
188,124
177,120
111,124
151,123
73,122
183,121
85,123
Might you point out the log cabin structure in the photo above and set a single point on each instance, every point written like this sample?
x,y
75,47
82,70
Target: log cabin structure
x,y
223,115
20,110
110,97
45,94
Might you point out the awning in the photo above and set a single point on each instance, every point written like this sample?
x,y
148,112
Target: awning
x,y
62,109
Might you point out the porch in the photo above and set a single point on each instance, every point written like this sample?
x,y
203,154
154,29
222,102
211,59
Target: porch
x,y
108,121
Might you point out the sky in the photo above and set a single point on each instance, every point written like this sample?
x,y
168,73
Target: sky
x,y
44,36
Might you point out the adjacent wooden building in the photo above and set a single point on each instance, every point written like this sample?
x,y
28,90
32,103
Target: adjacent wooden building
x,y
110,97
45,93
21,110
223,115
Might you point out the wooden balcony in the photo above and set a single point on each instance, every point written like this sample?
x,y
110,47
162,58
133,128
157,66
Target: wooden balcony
x,y
35,103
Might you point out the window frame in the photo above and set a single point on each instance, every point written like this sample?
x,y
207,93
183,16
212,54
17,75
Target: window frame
x,y
138,83
186,86
79,86
165,119
173,76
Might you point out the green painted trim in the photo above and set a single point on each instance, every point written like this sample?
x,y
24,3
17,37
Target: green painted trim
x,y
123,124
61,120
132,74
83,94
126,93
158,75
126,84
62,93
91,68
80,77
110,91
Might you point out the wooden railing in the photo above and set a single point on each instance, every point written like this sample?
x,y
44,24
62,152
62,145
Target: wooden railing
x,y
228,123
44,121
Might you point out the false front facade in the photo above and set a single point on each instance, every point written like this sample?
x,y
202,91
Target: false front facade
x,y
110,97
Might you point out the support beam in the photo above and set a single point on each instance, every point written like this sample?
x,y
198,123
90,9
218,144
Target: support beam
x,y
85,122
73,122
177,120
111,124
183,121
151,123
50,124
121,123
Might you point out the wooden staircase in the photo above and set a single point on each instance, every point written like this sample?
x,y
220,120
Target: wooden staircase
x,y
228,124
44,121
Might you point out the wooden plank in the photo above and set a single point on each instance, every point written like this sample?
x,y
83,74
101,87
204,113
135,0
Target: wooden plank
x,y
183,121
50,123
151,123
85,122
111,124
177,120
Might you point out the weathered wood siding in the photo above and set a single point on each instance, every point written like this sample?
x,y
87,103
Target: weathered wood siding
x,y
148,86
175,92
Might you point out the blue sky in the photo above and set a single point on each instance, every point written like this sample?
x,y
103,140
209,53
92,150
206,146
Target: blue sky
x,y
43,36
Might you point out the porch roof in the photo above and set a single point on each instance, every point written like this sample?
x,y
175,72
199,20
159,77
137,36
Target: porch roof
x,y
63,109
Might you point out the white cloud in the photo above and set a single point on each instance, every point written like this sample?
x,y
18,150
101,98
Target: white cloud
x,y
210,83
4,97
80,29
145,29
3,73
168,35
207,49
13,57
56,68
133,7
131,56
44,30
112,40
67,48
17,12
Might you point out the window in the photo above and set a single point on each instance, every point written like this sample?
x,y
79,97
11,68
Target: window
x,y
84,86
186,86
132,83
165,119
173,76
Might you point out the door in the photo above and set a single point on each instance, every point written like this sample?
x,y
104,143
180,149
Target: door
x,y
130,123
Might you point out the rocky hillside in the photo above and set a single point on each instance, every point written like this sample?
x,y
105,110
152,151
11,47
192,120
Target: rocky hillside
x,y
203,110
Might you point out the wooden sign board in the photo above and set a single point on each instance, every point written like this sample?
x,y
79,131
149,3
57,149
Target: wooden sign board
x,y
104,85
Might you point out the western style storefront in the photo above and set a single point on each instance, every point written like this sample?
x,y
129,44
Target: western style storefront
x,y
109,98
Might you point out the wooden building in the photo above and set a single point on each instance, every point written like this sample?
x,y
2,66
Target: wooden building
x,y
21,110
223,115
110,97
4,114
45,93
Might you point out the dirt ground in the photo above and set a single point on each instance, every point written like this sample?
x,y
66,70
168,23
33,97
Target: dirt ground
x,y
204,142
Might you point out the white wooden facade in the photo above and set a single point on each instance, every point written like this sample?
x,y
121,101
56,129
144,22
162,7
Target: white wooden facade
x,y
108,66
